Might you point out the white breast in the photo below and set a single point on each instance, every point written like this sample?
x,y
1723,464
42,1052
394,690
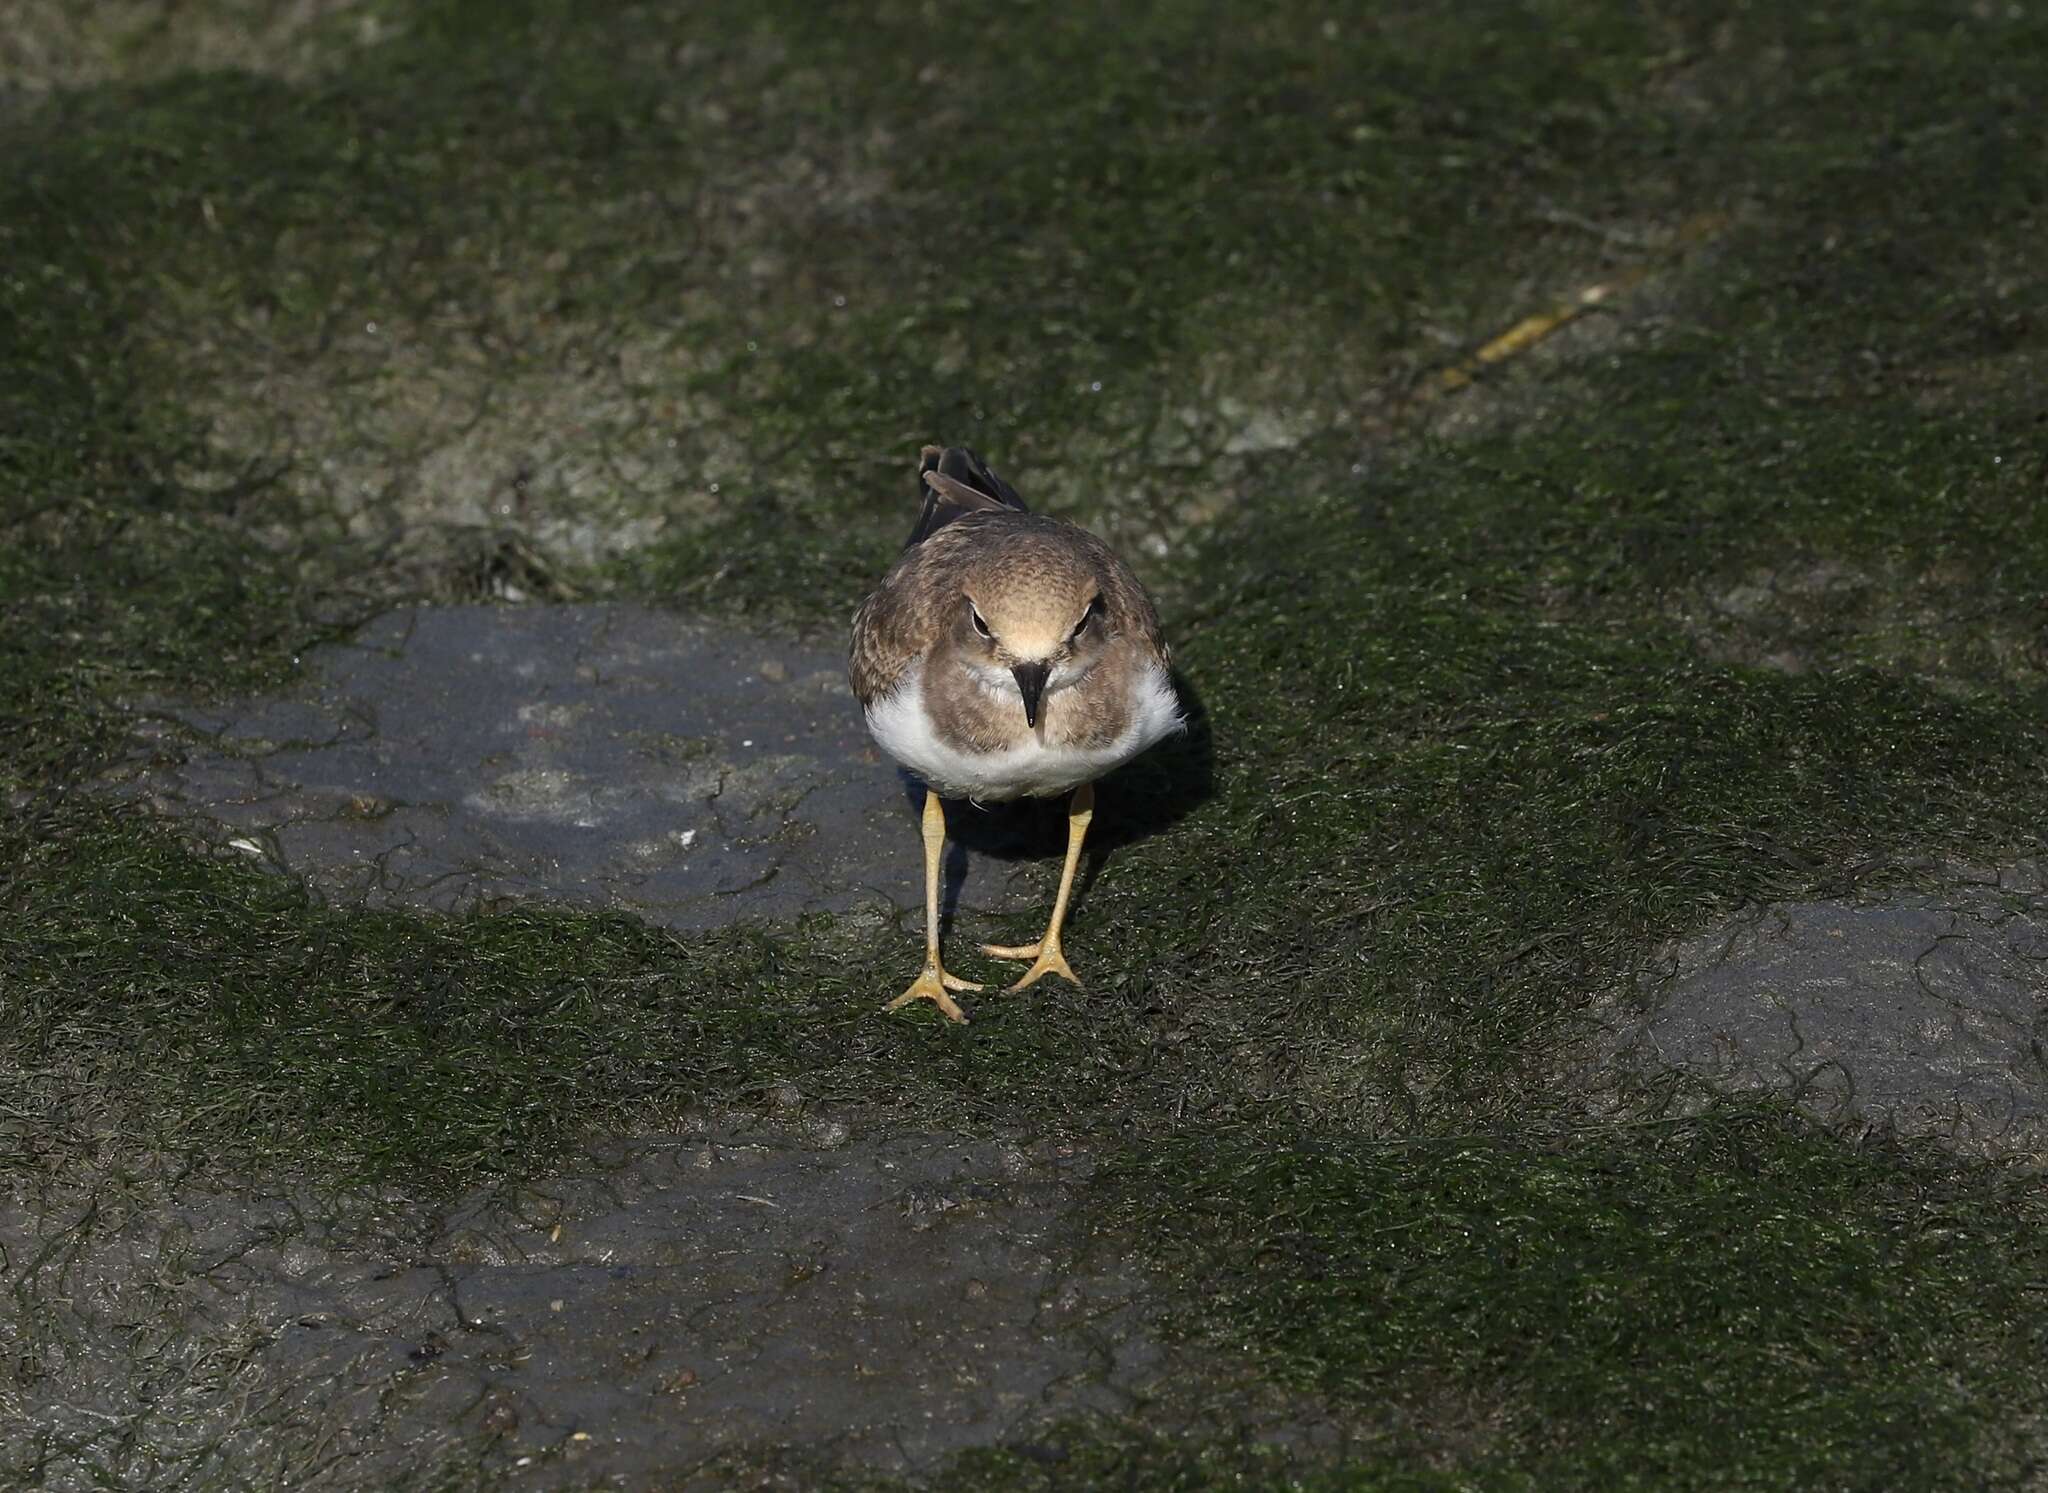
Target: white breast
x,y
1029,769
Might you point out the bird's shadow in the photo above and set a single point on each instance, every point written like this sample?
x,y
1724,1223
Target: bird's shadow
x,y
1142,798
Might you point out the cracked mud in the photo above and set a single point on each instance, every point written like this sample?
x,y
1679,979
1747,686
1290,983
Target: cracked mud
x,y
453,756
683,1301
1922,1014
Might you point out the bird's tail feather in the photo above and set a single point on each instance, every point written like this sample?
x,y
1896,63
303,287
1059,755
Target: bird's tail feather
x,y
953,481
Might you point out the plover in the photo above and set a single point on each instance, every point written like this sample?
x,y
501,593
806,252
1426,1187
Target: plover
x,y
1005,655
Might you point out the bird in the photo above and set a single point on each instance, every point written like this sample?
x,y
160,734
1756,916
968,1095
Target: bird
x,y
1006,654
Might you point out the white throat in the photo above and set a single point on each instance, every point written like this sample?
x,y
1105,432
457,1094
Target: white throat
x,y
1028,768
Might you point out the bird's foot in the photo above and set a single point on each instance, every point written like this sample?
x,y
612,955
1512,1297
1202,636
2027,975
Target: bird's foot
x,y
1045,957
931,985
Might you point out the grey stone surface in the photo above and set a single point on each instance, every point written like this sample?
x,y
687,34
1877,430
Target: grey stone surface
x,y
602,755
1925,1014
681,1305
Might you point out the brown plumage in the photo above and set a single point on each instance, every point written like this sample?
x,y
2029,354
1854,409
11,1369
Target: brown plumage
x,y
1006,654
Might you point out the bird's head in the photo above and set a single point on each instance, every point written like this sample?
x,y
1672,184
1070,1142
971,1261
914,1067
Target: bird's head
x,y
1036,628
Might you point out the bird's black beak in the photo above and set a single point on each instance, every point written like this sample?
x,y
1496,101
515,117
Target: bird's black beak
x,y
1031,685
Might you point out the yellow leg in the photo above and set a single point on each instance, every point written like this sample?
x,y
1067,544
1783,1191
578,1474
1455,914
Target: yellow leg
x,y
1045,955
933,983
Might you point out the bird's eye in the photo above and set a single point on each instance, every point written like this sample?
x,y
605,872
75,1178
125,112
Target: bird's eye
x,y
979,625
1094,607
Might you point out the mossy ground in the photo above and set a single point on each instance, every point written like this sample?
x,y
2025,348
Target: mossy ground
x,y
1732,590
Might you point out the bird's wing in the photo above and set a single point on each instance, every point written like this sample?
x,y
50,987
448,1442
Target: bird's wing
x,y
1129,604
881,647
952,481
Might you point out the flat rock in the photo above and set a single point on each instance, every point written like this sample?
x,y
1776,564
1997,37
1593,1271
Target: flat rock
x,y
602,755
1924,1014
736,1291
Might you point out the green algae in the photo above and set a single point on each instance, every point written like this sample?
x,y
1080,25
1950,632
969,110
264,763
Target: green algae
x,y
1733,591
